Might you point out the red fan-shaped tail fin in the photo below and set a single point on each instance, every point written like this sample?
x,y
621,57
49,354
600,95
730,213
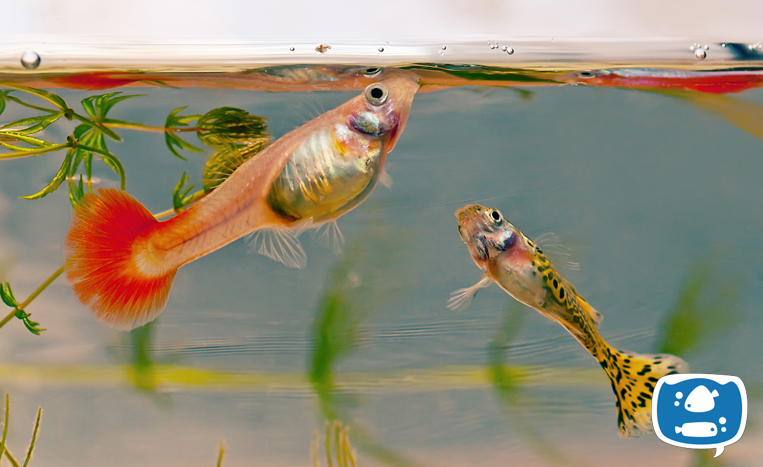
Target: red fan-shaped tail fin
x,y
106,264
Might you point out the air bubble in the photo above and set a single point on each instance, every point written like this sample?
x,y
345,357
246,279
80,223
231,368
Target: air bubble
x,y
444,48
291,48
679,395
508,50
700,51
722,420
381,49
723,429
676,403
30,60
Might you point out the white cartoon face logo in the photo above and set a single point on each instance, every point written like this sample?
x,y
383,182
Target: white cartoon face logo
x,y
713,415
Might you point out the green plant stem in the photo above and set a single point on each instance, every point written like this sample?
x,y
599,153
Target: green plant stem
x,y
42,287
221,453
34,437
141,127
10,457
34,295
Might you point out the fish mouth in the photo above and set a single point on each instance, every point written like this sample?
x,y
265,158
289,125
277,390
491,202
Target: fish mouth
x,y
402,87
469,221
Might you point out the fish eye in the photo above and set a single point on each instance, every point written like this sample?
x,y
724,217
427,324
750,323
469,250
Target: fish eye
x,y
585,74
495,215
371,72
376,94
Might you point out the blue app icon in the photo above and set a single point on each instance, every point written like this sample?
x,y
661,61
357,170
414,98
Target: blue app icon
x,y
699,411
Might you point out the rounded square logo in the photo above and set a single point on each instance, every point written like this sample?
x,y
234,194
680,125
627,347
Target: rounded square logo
x,y
699,411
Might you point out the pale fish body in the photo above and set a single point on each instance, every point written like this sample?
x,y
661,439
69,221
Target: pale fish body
x,y
121,261
520,268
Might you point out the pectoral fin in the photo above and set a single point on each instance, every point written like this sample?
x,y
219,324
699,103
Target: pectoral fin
x,y
462,298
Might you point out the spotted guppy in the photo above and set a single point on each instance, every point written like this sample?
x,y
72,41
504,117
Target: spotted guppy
x,y
520,268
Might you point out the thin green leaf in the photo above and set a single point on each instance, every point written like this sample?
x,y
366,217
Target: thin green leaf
x,y
36,123
76,192
6,294
25,139
32,326
34,437
173,140
111,161
99,106
3,95
180,196
25,152
58,179
48,96
81,130
173,120
15,99
98,127
88,163
105,105
87,104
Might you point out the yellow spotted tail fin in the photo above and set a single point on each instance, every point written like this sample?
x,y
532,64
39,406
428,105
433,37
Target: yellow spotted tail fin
x,y
633,378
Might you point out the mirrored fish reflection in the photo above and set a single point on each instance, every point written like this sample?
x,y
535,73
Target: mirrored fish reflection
x,y
121,261
522,270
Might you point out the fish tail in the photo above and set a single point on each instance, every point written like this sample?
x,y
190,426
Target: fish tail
x,y
106,265
633,378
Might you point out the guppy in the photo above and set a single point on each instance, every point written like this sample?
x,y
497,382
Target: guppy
x,y
522,270
121,261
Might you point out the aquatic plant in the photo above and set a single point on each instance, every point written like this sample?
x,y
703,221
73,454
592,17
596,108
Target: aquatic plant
x,y
4,447
352,291
507,382
343,453
234,134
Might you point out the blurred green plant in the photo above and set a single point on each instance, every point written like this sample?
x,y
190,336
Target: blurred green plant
x,y
507,382
707,307
221,453
343,452
4,447
352,291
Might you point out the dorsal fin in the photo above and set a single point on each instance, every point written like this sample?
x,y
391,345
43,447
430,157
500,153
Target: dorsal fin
x,y
590,311
556,250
